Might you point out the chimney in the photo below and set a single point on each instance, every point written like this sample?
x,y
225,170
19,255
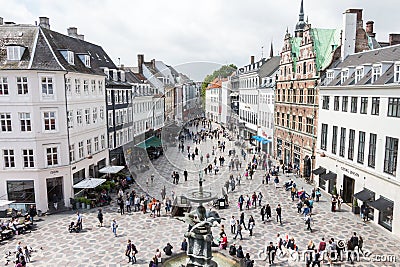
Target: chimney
x,y
394,39
252,60
350,19
153,63
44,22
81,37
122,67
369,28
140,60
1,21
72,32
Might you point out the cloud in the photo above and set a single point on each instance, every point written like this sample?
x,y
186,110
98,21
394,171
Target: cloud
x,y
180,31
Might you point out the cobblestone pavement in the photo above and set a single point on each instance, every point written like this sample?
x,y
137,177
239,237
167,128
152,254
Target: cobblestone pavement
x,y
97,246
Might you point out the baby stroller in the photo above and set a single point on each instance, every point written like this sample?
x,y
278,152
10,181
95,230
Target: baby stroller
x,y
74,228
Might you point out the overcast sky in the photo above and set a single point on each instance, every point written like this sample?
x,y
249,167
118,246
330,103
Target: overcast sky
x,y
187,31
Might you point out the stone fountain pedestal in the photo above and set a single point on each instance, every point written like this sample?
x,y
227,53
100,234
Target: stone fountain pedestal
x,y
199,247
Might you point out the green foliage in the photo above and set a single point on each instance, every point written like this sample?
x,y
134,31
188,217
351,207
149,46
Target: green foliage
x,y
355,202
334,190
223,72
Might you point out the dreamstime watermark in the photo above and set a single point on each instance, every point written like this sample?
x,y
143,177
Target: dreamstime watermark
x,y
344,255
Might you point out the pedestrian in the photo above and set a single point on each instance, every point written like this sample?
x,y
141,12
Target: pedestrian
x,y
322,245
262,213
238,230
339,202
168,249
268,212
114,227
27,254
271,251
251,225
239,253
279,214
317,194
276,181
233,225
184,245
242,220
333,202
128,250
134,252
259,197
100,217
128,205
360,244
120,203
299,206
240,202
308,222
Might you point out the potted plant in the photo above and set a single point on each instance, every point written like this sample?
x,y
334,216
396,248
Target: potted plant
x,y
88,202
355,208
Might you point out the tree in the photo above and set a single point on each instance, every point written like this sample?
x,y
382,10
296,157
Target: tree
x,y
223,72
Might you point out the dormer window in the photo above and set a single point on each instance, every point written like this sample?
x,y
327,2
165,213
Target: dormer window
x,y
359,74
68,56
107,73
376,72
344,75
330,75
122,76
85,59
397,73
115,75
15,52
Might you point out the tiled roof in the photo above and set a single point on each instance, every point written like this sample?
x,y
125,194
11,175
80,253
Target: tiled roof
x,y
390,53
269,66
11,35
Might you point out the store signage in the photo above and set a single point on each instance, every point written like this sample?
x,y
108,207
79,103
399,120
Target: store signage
x,y
53,172
350,171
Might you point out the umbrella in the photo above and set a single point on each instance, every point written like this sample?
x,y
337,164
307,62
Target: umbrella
x,y
89,183
111,169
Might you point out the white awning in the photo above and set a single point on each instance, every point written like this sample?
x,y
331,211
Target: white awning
x,y
89,183
111,169
234,94
5,202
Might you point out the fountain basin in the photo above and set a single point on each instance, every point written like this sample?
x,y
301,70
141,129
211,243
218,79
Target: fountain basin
x,y
180,259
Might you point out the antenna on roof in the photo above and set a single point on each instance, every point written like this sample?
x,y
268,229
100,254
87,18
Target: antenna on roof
x,y
119,62
262,52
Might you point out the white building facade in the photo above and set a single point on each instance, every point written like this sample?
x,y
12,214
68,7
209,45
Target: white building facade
x,y
359,132
52,115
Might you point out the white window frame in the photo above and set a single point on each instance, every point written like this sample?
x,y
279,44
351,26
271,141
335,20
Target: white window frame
x,y
101,88
110,119
72,153
96,144
86,86
22,85
15,52
101,113
25,121
70,119
89,146
81,150
28,158
86,59
49,115
9,158
51,153
93,86
344,75
359,74
397,72
87,116
5,122
70,57
103,141
4,90
77,86
79,119
94,115
47,86
376,72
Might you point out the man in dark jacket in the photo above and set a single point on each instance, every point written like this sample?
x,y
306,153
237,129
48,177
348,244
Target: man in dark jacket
x,y
168,249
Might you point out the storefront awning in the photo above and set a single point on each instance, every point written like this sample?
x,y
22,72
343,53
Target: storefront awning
x,y
328,176
5,202
152,141
382,204
89,183
111,169
320,170
365,195
261,139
